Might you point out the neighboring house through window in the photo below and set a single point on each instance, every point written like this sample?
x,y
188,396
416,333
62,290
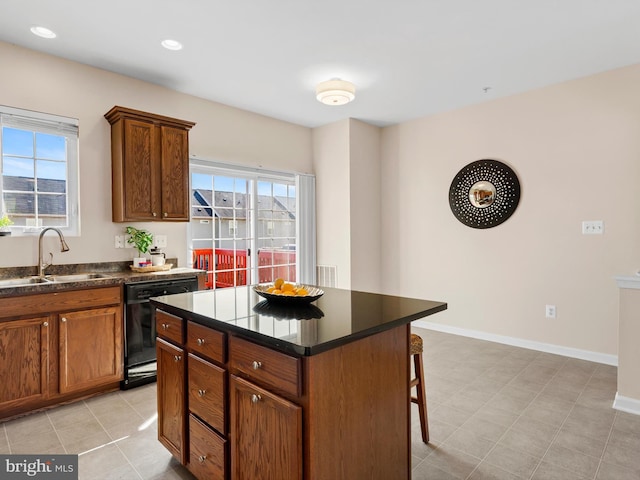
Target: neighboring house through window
x,y
245,224
39,166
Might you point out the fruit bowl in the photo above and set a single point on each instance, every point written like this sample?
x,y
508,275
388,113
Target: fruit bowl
x,y
313,293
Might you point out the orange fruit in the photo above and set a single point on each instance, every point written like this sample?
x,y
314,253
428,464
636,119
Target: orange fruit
x,y
270,289
288,293
302,292
278,283
287,287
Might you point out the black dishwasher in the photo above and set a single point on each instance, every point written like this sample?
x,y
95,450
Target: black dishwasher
x,y
140,329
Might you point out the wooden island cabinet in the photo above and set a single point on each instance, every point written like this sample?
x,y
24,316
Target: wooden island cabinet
x,y
149,165
55,347
248,391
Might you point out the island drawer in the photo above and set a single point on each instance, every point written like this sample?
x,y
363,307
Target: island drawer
x,y
265,366
170,327
206,341
207,389
207,451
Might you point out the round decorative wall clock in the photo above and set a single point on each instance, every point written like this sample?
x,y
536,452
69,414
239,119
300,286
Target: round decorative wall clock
x,y
484,194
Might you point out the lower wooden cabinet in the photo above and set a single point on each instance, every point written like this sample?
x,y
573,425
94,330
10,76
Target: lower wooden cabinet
x,y
24,356
267,434
90,348
171,398
207,451
60,346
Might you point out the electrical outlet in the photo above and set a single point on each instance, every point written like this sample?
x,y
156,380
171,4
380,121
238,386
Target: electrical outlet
x,y
550,311
160,241
119,243
592,227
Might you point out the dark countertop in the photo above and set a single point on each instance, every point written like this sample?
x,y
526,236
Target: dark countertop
x,y
117,272
336,318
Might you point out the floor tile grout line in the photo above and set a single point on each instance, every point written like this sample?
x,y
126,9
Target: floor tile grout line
x,y
516,421
562,425
114,440
55,430
606,444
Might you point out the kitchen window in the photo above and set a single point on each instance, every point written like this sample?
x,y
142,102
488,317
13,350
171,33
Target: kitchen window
x,y
39,166
251,225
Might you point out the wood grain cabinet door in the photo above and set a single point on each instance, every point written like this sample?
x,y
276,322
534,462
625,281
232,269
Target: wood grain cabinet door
x,y
171,398
175,173
266,434
24,361
90,348
141,171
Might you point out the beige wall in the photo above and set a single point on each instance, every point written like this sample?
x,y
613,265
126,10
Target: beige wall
x,y
45,83
576,150
333,204
575,147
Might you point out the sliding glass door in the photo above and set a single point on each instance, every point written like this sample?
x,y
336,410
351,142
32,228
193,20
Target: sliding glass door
x,y
243,226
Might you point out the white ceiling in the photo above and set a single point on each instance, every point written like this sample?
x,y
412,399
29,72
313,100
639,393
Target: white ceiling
x,y
407,58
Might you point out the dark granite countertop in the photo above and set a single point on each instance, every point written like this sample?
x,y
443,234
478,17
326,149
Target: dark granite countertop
x,y
336,318
116,273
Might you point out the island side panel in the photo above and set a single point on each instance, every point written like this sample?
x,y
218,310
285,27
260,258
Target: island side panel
x,y
357,420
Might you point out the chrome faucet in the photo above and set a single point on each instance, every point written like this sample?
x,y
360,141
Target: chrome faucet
x,y
63,248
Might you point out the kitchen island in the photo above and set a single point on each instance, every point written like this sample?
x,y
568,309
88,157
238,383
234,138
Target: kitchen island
x,y
250,390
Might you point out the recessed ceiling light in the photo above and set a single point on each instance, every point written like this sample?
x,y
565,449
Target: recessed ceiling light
x,y
171,44
42,32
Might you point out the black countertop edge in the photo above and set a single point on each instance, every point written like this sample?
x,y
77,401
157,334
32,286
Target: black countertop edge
x,y
281,344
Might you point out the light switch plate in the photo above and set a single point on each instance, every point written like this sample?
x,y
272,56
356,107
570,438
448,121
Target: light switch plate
x,y
592,227
160,241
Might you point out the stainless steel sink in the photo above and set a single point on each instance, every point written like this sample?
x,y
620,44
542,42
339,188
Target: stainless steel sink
x,y
21,281
77,277
49,279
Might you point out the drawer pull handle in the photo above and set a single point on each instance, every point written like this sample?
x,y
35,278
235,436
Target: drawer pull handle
x,y
177,358
256,365
201,392
255,398
165,326
202,458
200,341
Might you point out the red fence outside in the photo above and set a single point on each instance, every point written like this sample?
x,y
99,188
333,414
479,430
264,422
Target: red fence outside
x,y
272,264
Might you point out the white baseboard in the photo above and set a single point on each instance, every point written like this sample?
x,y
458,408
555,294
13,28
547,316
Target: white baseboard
x,y
518,342
626,404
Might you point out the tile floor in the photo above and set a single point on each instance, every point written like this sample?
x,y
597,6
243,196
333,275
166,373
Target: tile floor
x,y
495,412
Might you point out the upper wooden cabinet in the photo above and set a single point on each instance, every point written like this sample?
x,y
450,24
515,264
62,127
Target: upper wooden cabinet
x,y
150,166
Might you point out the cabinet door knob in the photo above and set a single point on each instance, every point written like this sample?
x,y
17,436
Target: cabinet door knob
x,y
63,320
165,326
201,392
165,214
154,214
256,365
45,324
177,358
200,341
202,458
255,398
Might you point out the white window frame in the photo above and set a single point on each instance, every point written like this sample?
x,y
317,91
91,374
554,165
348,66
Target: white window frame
x,y
305,209
51,124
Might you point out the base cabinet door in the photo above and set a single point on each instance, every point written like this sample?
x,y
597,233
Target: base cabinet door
x,y
266,434
90,348
24,361
171,398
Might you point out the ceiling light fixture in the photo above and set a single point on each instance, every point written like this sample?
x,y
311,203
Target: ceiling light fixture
x,y
335,92
42,32
171,44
